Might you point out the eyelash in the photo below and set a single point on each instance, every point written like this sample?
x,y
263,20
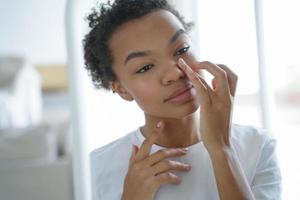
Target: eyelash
x,y
180,50
144,68
149,66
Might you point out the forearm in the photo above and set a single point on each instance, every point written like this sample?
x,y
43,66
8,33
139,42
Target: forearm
x,y
231,182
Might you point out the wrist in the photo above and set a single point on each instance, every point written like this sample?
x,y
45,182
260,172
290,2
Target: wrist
x,y
214,147
218,149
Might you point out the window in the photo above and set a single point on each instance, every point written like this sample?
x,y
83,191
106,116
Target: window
x,y
227,35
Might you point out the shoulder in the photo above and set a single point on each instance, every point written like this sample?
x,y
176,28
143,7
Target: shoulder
x,y
250,140
113,150
250,136
246,132
109,166
251,144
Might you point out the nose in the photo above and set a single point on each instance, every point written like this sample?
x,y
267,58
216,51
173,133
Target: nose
x,y
172,73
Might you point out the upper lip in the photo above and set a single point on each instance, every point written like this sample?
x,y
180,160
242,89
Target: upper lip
x,y
179,91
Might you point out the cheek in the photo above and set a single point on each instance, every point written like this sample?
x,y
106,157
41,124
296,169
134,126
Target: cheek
x,y
191,59
191,55
144,91
147,97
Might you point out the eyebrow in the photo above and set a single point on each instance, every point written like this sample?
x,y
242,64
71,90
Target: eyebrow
x,y
146,53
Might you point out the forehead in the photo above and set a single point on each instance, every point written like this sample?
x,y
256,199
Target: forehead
x,y
149,31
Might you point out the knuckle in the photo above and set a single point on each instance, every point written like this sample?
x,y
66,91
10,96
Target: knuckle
x,y
180,166
222,65
168,163
179,151
164,152
173,152
167,176
206,62
222,75
136,167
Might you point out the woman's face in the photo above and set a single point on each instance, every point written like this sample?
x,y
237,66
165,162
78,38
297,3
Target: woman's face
x,y
145,53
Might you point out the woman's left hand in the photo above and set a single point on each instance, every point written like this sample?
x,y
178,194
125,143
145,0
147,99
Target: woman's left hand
x,y
216,102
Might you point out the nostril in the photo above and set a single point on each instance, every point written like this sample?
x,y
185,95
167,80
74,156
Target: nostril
x,y
171,71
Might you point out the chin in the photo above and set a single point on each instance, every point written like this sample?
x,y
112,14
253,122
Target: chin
x,y
191,110
173,113
186,111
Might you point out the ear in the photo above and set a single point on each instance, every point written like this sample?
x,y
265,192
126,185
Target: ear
x,y
117,87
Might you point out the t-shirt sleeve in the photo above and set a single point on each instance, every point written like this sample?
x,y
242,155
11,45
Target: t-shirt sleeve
x,y
108,167
266,184
93,178
102,180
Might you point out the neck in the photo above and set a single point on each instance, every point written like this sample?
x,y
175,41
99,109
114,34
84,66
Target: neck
x,y
182,132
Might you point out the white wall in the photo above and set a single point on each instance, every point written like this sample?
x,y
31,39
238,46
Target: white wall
x,y
33,28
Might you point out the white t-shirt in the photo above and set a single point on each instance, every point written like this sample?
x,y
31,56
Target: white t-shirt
x,y
254,148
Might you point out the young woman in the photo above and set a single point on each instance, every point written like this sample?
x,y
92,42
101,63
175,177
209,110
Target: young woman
x,y
142,51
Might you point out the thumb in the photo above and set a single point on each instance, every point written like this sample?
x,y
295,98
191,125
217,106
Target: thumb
x,y
145,148
160,126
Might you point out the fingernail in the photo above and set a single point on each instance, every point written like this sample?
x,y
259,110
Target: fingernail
x,y
159,124
181,62
185,149
188,167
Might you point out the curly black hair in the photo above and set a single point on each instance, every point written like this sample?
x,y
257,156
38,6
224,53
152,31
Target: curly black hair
x,y
103,21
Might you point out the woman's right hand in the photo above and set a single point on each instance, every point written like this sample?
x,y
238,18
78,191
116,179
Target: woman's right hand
x,y
146,173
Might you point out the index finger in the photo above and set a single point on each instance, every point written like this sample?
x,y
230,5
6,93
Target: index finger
x,y
220,75
198,82
145,148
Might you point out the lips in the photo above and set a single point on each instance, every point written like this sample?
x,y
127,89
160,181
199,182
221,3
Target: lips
x,y
179,92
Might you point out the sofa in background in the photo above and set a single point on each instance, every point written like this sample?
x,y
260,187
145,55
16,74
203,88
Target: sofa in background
x,y
35,162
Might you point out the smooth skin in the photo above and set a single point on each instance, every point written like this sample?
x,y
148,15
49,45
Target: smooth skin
x,y
215,122
149,79
147,172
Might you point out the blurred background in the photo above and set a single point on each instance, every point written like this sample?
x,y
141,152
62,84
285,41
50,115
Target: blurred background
x,y
51,117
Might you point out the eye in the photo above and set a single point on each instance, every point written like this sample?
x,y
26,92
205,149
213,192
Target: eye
x,y
181,51
145,68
